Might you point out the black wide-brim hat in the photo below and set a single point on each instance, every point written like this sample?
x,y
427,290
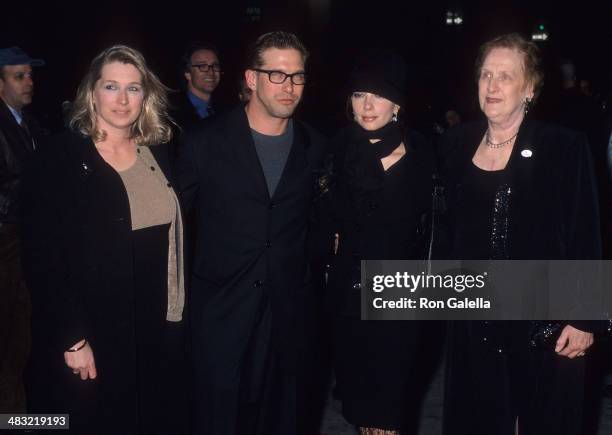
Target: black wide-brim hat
x,y
382,73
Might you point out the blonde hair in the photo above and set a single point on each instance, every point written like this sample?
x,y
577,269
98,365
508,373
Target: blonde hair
x,y
153,125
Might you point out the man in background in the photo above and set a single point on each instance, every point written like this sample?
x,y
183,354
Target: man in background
x,y
202,74
18,141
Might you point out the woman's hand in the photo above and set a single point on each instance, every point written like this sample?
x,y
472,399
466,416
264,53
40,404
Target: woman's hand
x,y
82,361
573,342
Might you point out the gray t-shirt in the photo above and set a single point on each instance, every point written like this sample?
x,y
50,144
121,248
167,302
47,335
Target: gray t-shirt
x,y
273,152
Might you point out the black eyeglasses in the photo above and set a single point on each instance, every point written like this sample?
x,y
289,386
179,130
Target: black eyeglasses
x,y
279,77
204,67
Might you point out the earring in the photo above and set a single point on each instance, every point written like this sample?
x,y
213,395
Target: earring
x,y
527,105
394,117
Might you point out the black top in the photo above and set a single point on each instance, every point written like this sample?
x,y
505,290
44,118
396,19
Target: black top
x,y
482,215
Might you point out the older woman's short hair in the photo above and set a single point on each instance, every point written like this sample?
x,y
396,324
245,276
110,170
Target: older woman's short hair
x,y
153,125
528,50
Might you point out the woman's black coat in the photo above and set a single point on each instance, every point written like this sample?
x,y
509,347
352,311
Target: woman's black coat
x,y
395,226
554,215
79,268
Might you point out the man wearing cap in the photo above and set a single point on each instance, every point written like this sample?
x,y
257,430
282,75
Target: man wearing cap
x,y
18,133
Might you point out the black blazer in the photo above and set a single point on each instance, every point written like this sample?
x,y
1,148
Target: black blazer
x,y
249,245
78,265
554,215
183,112
15,150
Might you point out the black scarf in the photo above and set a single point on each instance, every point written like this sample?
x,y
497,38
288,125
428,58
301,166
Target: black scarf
x,y
363,172
389,138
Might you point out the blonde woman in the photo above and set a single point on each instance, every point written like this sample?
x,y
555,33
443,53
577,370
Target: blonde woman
x,y
103,259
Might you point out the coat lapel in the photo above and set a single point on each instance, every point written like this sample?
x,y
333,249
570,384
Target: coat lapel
x,y
85,156
522,159
521,167
160,154
459,159
15,135
99,181
239,133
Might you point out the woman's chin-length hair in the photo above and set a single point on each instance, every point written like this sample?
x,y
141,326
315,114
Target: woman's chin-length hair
x,y
153,125
529,51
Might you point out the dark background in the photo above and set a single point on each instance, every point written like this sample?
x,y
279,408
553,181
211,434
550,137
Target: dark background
x,y
67,35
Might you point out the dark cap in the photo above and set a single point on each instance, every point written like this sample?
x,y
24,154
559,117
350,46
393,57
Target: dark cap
x,y
382,73
16,56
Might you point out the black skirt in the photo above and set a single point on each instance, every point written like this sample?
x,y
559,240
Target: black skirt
x,y
161,363
379,372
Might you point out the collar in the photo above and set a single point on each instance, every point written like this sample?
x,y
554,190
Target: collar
x,y
16,113
202,107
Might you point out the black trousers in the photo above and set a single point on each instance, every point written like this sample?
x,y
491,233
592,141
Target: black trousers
x,y
15,311
250,394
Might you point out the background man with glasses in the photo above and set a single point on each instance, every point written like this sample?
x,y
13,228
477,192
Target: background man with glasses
x,y
201,70
251,176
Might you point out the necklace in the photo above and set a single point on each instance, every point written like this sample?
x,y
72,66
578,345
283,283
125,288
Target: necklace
x,y
497,145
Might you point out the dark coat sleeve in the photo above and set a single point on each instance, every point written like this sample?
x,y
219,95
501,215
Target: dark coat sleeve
x,y
324,224
186,168
581,215
8,180
55,296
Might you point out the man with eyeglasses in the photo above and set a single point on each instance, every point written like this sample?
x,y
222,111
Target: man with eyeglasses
x,y
251,175
18,135
202,74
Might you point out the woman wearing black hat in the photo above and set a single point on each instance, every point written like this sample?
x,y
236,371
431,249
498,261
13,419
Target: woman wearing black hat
x,y
381,193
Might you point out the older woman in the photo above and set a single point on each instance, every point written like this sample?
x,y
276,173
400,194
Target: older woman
x,y
518,189
103,259
383,187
